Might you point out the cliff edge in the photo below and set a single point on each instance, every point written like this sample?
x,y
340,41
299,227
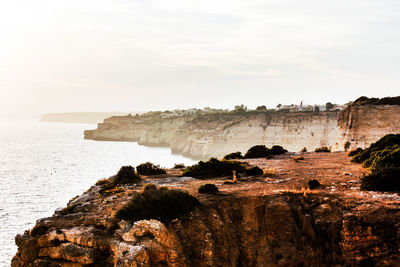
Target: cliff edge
x,y
206,135
264,220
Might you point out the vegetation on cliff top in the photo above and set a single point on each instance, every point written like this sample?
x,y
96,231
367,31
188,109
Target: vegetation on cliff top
x,y
233,155
126,175
162,204
149,168
261,151
214,168
383,180
254,171
207,189
322,149
363,100
218,168
383,159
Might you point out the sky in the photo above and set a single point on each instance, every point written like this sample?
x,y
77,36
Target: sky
x,y
125,55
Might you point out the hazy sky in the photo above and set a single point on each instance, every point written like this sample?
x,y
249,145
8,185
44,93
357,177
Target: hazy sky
x,y
84,55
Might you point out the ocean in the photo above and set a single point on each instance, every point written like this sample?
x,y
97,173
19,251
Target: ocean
x,y
43,165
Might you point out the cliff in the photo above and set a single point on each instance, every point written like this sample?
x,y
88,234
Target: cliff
x,y
259,221
209,135
362,125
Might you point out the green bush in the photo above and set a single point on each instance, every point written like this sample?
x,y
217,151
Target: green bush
x,y
313,184
179,166
322,149
261,151
149,168
388,140
234,155
376,101
162,204
148,187
254,171
382,180
277,150
383,159
355,152
213,168
207,189
126,175
386,158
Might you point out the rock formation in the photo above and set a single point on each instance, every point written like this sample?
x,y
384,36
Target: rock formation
x,y
259,221
209,135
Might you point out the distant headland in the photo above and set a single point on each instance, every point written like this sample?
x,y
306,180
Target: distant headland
x,y
202,133
80,117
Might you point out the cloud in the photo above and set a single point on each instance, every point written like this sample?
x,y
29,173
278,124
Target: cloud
x,y
251,50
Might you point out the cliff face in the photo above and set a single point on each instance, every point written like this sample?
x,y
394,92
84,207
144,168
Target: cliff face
x,y
281,230
216,135
362,125
257,222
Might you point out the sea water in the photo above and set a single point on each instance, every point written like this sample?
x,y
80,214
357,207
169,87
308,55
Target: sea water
x,y
43,165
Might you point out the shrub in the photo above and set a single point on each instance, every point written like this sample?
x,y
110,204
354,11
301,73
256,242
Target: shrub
x,y
213,168
313,184
149,168
383,158
254,171
148,187
376,101
322,149
346,145
261,151
386,141
386,158
383,180
162,204
355,152
277,150
234,155
207,189
303,150
105,185
126,175
179,166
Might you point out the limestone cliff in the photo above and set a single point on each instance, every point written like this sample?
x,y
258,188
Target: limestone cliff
x,y
260,221
362,125
209,135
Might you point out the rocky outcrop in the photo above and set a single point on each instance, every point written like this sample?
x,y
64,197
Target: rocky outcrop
x,y
278,230
208,135
362,125
255,222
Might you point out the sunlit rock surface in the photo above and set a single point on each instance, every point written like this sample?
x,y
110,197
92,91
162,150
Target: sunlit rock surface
x,y
255,222
216,135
